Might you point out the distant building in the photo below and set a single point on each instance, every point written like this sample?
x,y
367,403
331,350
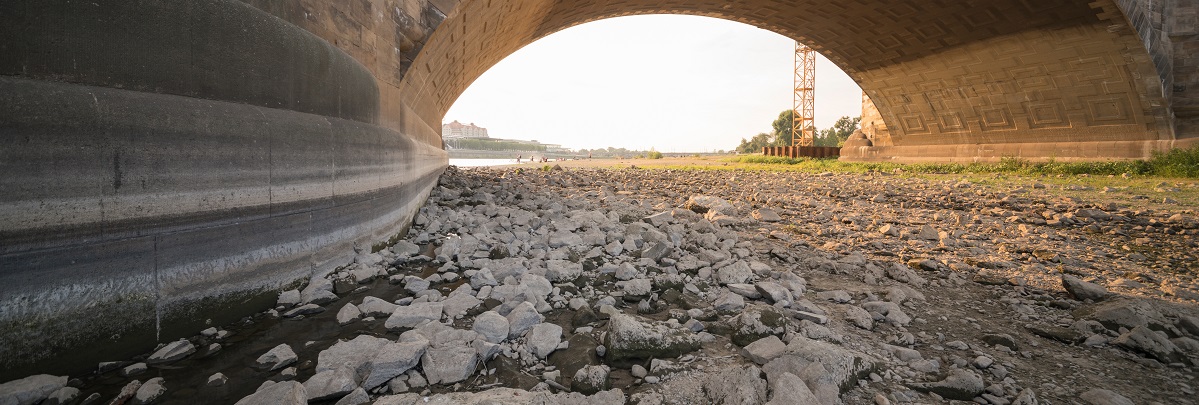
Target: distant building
x,y
459,130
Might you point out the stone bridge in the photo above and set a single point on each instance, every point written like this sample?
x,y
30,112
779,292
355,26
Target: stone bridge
x,y
171,163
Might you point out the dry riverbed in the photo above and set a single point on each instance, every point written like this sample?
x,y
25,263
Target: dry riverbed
x,y
591,285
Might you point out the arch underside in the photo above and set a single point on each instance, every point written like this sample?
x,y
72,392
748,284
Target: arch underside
x,y
952,80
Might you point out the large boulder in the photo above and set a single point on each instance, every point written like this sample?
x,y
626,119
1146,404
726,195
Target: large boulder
x,y
171,352
373,360
960,384
408,316
30,390
1154,344
1082,290
522,318
842,367
629,339
544,339
281,393
492,326
277,358
756,322
590,379
330,384
702,204
448,365
736,385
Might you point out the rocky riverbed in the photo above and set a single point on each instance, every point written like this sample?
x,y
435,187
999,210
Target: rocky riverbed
x,y
681,287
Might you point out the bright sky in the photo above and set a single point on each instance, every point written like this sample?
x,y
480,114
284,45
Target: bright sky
x,y
669,82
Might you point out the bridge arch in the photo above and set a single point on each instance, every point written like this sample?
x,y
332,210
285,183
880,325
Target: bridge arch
x,y
950,80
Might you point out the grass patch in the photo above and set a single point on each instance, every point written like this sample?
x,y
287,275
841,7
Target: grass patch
x,y
1180,163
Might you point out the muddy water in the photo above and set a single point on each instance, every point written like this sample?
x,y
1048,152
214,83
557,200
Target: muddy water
x,y
186,380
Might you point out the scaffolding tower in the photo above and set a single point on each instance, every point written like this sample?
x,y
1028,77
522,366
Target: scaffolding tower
x,y
803,128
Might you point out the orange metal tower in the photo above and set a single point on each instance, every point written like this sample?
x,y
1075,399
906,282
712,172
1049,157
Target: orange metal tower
x,y
803,128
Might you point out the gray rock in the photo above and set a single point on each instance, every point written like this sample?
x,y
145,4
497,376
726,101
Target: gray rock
x,y
756,322
449,365
173,351
405,249
729,303
736,385
656,251
357,397
133,369
890,311
1001,339
787,389
766,215
522,318
1104,397
774,292
407,316
30,390
62,396
278,357
840,368
393,359
928,233
348,313
330,384
1155,344
837,296
1082,290
1189,324
736,273
563,271
354,354
1026,397
217,380
810,317
630,339
638,371
764,350
289,298
150,391
962,385
590,380
544,339
415,284
492,326
306,309
859,317
640,287
127,392
702,204
459,304
745,290
319,291
659,219
482,278
376,307
281,393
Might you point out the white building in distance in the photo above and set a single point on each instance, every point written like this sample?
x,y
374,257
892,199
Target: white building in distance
x,y
459,130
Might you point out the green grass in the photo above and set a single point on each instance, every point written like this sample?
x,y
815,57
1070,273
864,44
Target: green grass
x,y
1178,163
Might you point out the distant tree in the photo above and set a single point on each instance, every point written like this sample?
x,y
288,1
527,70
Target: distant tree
x,y
782,128
755,144
841,130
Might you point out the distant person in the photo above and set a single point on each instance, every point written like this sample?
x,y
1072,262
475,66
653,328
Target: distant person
x,y
588,155
518,158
